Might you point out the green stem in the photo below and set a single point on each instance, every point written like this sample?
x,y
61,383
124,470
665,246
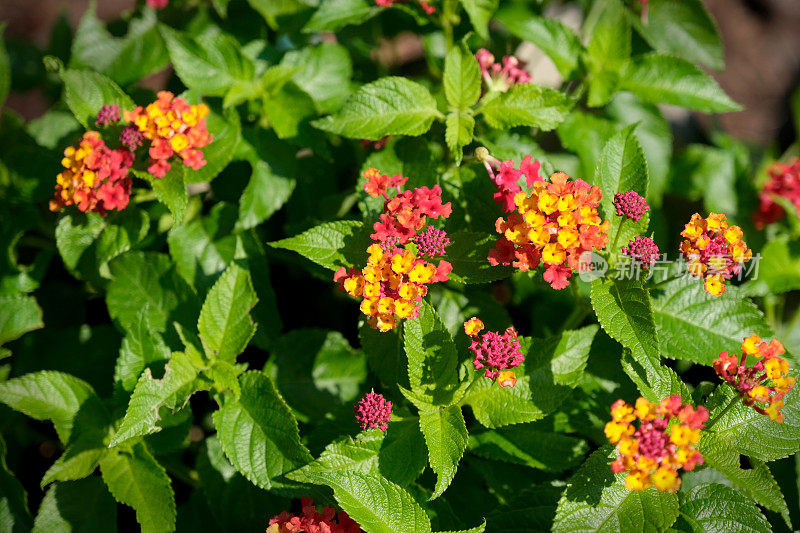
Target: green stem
x,y
447,18
727,408
613,249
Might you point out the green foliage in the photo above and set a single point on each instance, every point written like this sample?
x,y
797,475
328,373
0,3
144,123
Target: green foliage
x,y
198,362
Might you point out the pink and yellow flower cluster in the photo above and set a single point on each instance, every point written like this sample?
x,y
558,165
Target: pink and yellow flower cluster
x,y
392,284
173,127
495,353
554,224
95,177
714,249
753,383
662,444
312,521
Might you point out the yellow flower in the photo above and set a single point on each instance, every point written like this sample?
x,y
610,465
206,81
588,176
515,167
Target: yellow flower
x,y
473,326
666,479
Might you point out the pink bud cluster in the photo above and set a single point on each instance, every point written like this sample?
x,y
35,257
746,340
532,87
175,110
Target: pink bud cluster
x,y
643,250
431,242
373,411
630,205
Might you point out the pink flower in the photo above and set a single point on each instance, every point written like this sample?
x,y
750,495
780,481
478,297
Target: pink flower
x,y
107,115
630,204
495,352
373,411
431,242
644,250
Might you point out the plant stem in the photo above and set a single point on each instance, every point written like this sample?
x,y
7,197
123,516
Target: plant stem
x,y
613,249
724,411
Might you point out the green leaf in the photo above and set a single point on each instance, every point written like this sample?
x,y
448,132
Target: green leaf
x,y
480,13
655,382
19,314
332,244
80,459
170,190
145,280
622,168
596,500
85,92
399,454
716,507
127,59
756,482
468,253
458,134
778,269
5,68
323,72
83,505
226,130
752,433
259,433
477,529
377,504
607,51
209,65
172,391
462,78
385,354
54,396
14,514
203,248
334,14
288,109
696,326
683,28
552,367
266,193
136,479
388,106
225,325
446,438
624,312
432,357
663,79
552,36
237,504
141,348
316,371
526,104
526,445
273,10
701,168
654,135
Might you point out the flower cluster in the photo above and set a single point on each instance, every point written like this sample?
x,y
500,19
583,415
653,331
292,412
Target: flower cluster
x,y
392,284
426,7
431,242
173,127
643,250
663,443
554,223
378,184
107,115
505,177
494,352
751,382
500,77
784,181
714,250
157,4
407,213
630,205
95,177
373,411
312,521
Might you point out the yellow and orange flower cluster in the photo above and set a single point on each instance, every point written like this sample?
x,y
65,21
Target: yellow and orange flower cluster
x,y
751,382
173,127
663,443
392,284
95,178
555,223
715,250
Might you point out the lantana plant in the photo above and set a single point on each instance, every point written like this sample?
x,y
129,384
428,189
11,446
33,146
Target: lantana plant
x,y
395,267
